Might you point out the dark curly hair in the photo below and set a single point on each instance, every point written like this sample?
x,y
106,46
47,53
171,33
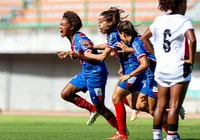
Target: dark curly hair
x,y
165,5
128,28
73,19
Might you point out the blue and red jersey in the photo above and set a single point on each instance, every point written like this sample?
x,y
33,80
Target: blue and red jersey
x,y
89,70
151,58
127,60
150,82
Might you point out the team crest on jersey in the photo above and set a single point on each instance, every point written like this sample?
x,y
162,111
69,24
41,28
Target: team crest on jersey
x,y
84,47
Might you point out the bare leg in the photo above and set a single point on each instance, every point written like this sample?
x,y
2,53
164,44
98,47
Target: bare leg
x,y
162,101
177,96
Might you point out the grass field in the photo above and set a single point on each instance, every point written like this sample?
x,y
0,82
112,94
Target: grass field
x,y
27,127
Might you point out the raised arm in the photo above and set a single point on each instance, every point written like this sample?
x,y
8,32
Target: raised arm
x,y
145,39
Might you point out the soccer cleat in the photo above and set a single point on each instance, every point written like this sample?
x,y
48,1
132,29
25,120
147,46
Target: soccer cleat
x,y
127,132
182,113
178,138
93,117
118,136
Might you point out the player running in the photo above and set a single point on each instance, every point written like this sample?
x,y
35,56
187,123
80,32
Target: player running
x,y
93,76
133,65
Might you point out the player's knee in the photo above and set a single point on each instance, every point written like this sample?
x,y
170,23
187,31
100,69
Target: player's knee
x,y
65,95
141,106
173,111
161,104
115,99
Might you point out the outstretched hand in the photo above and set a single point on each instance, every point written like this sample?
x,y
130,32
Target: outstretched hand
x,y
73,55
62,54
123,46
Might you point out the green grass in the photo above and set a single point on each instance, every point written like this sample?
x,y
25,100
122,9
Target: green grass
x,y
74,128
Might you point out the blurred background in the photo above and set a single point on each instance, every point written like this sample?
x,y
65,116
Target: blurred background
x,y
32,76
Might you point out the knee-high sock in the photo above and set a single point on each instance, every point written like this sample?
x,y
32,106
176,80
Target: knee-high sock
x,y
113,123
125,101
82,103
121,117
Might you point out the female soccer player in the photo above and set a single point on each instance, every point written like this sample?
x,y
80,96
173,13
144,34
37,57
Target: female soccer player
x,y
147,98
175,57
133,65
94,73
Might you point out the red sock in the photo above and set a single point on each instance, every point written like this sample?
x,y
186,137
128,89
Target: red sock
x,y
82,103
125,101
121,117
113,123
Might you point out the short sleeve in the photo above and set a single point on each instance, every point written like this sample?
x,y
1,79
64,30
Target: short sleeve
x,y
84,48
186,26
138,49
112,40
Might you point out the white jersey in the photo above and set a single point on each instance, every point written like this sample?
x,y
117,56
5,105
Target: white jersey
x,y
171,46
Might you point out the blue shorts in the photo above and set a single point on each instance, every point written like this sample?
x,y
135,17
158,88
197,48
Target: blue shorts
x,y
133,84
97,93
150,88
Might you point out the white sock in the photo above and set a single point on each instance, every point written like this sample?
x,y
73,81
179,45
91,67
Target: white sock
x,y
172,137
157,134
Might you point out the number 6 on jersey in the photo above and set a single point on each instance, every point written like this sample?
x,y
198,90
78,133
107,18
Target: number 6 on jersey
x,y
166,45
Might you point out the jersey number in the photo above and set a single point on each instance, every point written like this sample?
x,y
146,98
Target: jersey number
x,y
166,45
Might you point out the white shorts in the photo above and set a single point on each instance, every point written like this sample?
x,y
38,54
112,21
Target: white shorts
x,y
167,83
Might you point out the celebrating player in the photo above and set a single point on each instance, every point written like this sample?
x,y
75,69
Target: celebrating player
x,y
133,65
94,73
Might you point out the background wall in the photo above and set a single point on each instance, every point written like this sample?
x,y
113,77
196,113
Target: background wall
x,y
35,81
